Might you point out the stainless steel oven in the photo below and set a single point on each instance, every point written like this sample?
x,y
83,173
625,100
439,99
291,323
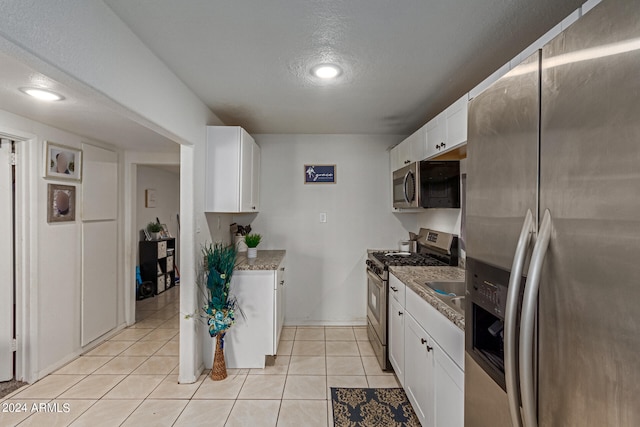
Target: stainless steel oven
x,y
434,249
377,291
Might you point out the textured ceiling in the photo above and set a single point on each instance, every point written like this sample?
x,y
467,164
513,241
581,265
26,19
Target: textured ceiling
x,y
403,61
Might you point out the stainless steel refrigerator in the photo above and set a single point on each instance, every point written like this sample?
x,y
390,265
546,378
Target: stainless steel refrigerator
x,y
553,233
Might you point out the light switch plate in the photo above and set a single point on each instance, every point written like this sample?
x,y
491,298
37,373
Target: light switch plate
x,y
323,217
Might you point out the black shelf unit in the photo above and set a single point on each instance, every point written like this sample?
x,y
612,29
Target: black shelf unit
x,y
157,263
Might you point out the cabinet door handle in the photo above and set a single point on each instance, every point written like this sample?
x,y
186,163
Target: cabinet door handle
x,y
443,145
282,282
282,269
400,313
437,146
394,289
254,208
423,341
429,348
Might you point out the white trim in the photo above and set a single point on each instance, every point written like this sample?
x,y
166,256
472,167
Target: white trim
x,y
190,366
25,254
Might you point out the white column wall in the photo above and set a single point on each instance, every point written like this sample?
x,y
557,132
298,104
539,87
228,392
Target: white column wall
x,y
84,45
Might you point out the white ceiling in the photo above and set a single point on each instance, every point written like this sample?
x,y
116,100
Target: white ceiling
x,y
403,61
82,113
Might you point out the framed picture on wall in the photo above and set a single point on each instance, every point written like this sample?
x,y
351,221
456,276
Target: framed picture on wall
x,y
61,203
319,174
63,162
150,198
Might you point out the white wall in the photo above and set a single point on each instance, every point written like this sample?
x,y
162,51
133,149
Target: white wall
x,y
447,220
167,187
59,39
325,274
53,258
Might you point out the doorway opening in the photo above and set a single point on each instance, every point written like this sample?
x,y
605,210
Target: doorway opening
x,y
157,274
8,256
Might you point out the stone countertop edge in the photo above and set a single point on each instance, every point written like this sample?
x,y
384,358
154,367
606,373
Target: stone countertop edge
x,y
416,277
267,259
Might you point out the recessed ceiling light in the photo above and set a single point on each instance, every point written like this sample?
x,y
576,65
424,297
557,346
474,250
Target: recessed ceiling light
x,y
42,94
326,71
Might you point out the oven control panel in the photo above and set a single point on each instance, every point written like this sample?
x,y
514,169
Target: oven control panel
x,y
374,267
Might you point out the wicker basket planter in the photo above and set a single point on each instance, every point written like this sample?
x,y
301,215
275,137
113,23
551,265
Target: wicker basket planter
x,y
219,368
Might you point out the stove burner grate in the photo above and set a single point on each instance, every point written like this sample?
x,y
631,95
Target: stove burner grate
x,y
407,260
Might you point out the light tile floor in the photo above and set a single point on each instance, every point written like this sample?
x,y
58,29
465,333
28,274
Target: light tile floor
x,y
131,380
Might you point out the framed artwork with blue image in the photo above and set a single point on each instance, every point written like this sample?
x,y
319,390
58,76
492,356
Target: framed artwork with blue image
x,y
319,174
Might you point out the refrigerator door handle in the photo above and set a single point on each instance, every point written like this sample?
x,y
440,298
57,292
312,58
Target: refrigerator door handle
x,y
529,306
511,312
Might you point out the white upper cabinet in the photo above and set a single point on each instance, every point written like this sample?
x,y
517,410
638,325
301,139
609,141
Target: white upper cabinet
x,y
255,179
436,134
457,123
419,144
232,171
412,149
400,155
448,129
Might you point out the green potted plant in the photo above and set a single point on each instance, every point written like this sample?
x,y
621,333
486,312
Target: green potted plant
x,y
219,307
154,228
252,241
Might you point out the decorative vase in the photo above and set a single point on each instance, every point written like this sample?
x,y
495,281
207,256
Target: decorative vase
x,y
241,246
252,252
219,368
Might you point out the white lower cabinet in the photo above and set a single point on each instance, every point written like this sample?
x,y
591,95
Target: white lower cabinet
x,y
419,370
396,338
449,396
278,303
433,381
260,296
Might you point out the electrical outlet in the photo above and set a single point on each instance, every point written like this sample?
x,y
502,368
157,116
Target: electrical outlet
x,y
323,217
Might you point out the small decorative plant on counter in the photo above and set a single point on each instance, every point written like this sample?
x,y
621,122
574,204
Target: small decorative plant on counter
x,y
154,228
219,307
252,241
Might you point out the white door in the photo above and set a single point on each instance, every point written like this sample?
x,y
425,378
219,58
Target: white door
x,y
6,262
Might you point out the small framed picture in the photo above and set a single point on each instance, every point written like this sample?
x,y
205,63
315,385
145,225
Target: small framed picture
x,y
61,203
319,174
150,198
165,232
63,162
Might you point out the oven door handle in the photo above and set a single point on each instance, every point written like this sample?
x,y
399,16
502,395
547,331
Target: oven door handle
x,y
511,313
527,328
377,280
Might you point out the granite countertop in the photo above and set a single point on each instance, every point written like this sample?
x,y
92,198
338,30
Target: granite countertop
x,y
266,260
416,277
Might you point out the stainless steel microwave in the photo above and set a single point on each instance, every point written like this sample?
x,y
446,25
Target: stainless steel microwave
x,y
405,188
427,184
